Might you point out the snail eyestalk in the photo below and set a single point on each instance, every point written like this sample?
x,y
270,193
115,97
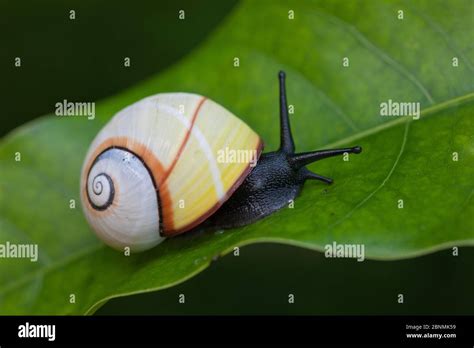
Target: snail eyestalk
x,y
306,174
305,158
287,144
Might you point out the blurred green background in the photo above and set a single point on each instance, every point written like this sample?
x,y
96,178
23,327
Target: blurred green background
x,y
85,62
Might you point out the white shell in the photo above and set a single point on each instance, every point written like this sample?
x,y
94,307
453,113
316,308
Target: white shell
x,y
162,157
131,217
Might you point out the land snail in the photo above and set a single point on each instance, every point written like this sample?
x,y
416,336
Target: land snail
x,y
152,172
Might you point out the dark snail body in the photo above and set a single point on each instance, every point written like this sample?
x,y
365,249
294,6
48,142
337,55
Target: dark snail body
x,y
276,179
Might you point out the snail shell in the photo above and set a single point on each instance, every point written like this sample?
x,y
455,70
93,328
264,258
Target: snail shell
x,y
153,171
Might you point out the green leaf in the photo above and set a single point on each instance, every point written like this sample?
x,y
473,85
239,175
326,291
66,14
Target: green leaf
x,y
408,60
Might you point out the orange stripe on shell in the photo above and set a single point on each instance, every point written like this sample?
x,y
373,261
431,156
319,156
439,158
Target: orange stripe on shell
x,y
185,140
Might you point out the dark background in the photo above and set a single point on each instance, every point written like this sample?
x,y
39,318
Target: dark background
x,y
84,61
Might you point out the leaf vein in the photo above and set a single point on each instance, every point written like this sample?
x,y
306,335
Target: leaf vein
x,y
379,52
385,180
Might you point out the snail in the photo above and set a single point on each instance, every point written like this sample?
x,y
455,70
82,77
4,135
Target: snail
x,y
153,171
